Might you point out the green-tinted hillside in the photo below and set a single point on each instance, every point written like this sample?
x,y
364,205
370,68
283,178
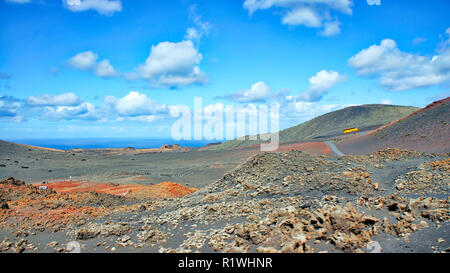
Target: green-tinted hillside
x,y
365,117
427,130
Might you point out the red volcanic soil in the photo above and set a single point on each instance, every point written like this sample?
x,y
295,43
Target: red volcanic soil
x,y
163,190
431,106
69,202
426,130
313,148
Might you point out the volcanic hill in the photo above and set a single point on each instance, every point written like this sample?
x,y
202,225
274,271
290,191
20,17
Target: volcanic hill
x,y
365,117
426,130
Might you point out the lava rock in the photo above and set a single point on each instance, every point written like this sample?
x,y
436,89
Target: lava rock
x,y
3,204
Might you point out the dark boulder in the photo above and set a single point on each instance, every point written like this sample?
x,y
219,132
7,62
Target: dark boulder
x,y
12,181
3,204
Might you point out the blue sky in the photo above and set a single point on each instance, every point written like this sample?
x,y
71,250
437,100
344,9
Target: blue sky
x,y
120,68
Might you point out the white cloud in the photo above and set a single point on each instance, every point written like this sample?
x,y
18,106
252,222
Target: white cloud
x,y
147,118
18,1
444,45
258,92
173,65
66,99
294,111
134,104
88,60
65,106
302,16
192,34
374,2
85,111
400,70
215,116
309,110
331,29
132,107
377,58
282,95
9,107
344,6
310,13
84,60
104,69
320,83
105,7
200,27
386,101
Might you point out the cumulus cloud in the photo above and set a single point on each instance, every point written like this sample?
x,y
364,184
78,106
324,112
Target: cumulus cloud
x,y
302,16
18,1
138,107
66,99
66,106
309,13
398,70
132,107
105,70
444,45
374,2
257,93
105,7
294,110
303,111
320,83
84,60
83,111
173,65
9,106
338,5
282,95
331,29
134,104
145,118
88,60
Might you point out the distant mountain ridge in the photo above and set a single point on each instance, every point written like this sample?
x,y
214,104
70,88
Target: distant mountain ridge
x,y
364,117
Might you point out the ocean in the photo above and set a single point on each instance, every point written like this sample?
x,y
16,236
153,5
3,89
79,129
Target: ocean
x,y
101,143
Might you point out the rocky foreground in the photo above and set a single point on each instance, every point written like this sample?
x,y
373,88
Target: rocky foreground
x,y
389,201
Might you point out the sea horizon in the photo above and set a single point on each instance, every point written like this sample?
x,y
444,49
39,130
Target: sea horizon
x,y
104,142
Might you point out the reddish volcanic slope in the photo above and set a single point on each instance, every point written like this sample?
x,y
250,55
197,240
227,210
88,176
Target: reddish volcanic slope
x,y
312,148
162,190
426,130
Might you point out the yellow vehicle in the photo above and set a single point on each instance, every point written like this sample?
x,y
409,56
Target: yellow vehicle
x,y
350,130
